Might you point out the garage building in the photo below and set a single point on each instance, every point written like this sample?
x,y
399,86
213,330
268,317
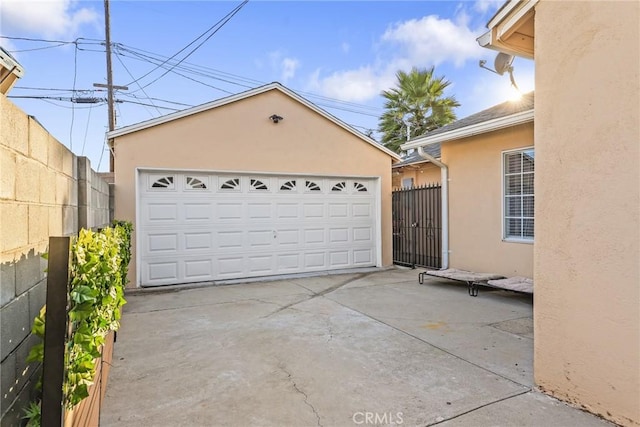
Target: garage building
x,y
260,183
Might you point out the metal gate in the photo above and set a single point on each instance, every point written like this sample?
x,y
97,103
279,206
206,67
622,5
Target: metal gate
x,y
417,226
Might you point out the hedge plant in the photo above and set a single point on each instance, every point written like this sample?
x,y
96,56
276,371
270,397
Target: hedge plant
x,y
98,266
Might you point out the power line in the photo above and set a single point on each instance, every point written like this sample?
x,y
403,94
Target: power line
x,y
38,48
136,82
86,130
148,105
221,24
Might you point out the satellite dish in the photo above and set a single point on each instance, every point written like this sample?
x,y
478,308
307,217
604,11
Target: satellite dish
x,y
503,63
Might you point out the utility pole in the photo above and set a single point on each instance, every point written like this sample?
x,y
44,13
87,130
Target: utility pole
x,y
109,86
112,118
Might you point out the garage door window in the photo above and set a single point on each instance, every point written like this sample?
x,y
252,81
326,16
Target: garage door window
x,y
288,186
340,186
231,184
165,182
256,184
312,186
194,183
359,187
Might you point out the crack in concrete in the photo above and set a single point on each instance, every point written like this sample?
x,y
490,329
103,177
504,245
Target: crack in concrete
x,y
319,294
296,388
480,407
330,330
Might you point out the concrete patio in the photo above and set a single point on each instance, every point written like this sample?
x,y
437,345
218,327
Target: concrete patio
x,y
339,350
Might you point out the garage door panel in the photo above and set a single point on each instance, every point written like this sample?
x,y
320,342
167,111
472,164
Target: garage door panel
x,y
201,227
161,212
230,266
338,210
314,236
361,210
288,211
339,258
229,211
338,235
260,263
362,234
198,241
260,238
314,260
313,210
162,243
162,271
230,240
288,262
362,256
198,269
287,238
197,212
259,211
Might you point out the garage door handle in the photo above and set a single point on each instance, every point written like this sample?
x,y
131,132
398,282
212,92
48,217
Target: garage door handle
x,y
275,234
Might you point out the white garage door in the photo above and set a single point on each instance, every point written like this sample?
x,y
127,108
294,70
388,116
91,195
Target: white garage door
x,y
196,227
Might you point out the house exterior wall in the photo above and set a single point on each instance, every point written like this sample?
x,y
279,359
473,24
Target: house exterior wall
x,y
422,174
587,250
475,204
240,137
44,191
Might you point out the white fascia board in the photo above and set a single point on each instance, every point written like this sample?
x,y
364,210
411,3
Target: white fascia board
x,y
11,65
237,97
485,39
504,11
471,130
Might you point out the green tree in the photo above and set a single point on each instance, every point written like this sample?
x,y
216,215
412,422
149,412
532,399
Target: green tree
x,y
415,106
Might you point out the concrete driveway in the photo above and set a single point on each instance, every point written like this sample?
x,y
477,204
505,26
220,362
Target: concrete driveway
x,y
339,350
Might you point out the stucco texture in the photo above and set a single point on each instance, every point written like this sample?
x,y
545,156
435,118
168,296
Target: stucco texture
x,y
240,137
587,251
475,203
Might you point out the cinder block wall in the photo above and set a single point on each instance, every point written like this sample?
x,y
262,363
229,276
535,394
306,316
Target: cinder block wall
x,y
44,191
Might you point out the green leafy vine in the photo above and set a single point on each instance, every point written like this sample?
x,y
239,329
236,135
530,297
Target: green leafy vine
x,y
98,275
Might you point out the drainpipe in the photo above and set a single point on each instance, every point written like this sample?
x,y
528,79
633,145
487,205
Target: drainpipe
x,y
444,171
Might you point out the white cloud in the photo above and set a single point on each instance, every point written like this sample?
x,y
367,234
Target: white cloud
x,y
345,47
46,17
286,67
289,67
435,40
483,6
424,42
352,85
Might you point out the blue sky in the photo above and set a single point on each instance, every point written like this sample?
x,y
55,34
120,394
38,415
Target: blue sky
x,y
339,55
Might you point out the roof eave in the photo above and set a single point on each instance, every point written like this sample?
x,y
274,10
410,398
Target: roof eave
x,y
472,130
504,24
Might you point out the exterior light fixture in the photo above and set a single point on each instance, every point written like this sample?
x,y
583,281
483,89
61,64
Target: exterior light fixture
x,y
276,118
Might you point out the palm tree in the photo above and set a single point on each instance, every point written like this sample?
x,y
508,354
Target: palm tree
x,y
415,106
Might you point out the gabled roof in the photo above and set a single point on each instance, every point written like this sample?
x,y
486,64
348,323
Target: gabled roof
x,y
507,114
415,158
244,95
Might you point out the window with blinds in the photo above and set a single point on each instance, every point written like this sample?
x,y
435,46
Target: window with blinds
x,y
518,194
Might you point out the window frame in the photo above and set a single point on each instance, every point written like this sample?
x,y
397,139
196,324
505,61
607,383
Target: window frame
x,y
503,196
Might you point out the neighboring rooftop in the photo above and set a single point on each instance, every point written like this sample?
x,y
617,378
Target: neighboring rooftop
x,y
415,158
495,117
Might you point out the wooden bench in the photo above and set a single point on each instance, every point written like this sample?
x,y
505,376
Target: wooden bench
x,y
475,280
